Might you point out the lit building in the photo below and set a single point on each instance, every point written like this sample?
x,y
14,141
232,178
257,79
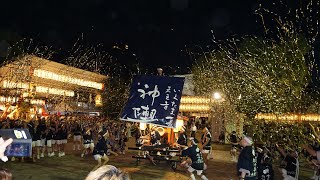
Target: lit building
x,y
61,88
207,109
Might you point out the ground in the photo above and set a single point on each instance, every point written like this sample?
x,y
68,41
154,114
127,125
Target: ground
x,y
72,166
75,167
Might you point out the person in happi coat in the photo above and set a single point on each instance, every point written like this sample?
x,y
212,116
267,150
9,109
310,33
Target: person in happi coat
x,y
264,164
100,151
197,163
247,162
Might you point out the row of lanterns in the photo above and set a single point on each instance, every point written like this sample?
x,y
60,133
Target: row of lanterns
x,y
68,79
289,117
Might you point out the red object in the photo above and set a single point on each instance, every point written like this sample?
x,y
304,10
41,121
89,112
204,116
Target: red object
x,y
44,112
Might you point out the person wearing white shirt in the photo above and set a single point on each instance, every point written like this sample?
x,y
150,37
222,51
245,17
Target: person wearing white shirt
x,y
193,130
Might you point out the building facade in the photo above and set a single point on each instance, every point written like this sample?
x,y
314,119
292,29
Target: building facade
x,y
56,87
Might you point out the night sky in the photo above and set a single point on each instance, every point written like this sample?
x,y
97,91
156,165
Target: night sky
x,y
157,32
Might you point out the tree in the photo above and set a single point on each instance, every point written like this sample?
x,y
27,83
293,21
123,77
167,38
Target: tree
x,y
115,96
256,74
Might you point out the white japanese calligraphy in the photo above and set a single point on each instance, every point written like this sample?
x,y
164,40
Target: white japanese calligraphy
x,y
136,112
168,89
175,97
143,93
173,109
165,105
154,93
167,97
144,113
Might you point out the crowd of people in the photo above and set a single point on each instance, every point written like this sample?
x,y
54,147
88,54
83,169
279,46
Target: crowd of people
x,y
100,137
286,144
91,135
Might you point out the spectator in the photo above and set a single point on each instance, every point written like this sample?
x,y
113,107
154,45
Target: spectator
x,y
5,174
193,130
107,172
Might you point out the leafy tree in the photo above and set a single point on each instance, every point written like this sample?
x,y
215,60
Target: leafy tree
x,y
257,75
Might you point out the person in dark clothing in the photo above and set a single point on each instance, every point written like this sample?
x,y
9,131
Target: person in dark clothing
x,y
122,143
37,137
49,136
59,140
76,137
197,164
155,138
206,144
32,126
42,129
55,137
6,124
222,137
64,138
139,140
17,124
234,146
100,151
182,139
182,143
264,165
87,141
247,161
193,129
291,169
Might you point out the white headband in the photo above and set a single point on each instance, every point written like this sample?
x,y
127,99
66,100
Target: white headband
x,y
249,141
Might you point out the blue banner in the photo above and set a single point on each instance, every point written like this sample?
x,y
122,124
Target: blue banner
x,y
154,100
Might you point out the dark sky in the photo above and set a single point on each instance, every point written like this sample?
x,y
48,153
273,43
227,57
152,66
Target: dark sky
x,y
157,31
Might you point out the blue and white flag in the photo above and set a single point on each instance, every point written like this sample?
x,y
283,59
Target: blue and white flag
x,y
154,100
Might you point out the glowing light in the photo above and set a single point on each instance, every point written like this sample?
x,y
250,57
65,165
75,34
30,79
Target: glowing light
x,y
68,79
288,117
216,95
143,126
98,100
56,91
179,124
37,101
194,108
40,89
16,99
19,85
9,99
194,100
